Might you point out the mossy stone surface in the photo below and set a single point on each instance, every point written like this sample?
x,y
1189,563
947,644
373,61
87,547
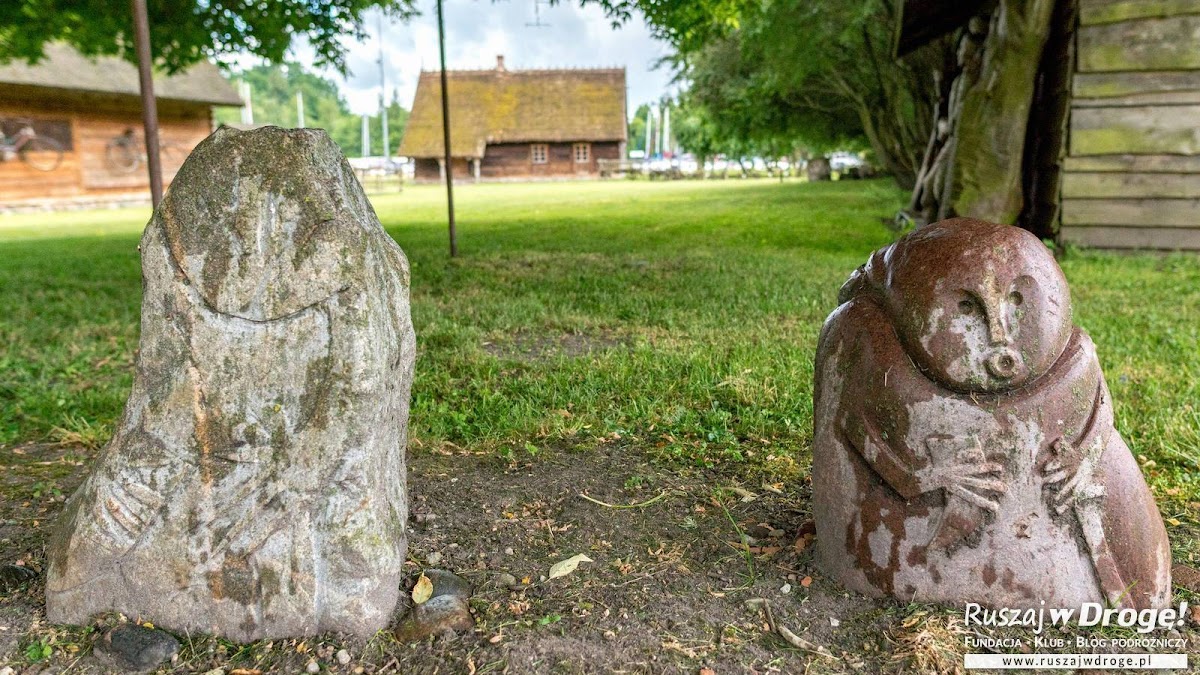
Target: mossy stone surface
x,y
255,487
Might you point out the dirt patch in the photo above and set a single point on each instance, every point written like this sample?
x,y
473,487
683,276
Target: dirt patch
x,y
529,347
666,592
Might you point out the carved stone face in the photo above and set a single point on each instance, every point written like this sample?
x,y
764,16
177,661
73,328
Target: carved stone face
x,y
979,307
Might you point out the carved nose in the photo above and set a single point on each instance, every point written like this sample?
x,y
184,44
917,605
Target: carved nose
x,y
1003,363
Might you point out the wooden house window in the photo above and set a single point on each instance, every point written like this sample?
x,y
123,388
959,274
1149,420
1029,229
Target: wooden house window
x,y
539,153
582,153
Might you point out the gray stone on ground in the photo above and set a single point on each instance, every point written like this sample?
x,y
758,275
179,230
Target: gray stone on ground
x,y
131,647
255,486
13,577
448,610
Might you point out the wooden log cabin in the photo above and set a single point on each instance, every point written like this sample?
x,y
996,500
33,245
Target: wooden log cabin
x,y
1132,172
1112,153
518,124
92,110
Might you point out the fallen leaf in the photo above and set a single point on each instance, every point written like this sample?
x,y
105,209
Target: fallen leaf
x,y
707,671
423,590
1173,522
565,567
806,582
245,671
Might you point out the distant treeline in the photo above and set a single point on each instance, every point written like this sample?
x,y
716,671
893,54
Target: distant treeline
x,y
273,91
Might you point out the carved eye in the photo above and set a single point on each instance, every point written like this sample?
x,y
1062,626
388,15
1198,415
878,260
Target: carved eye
x,y
1016,299
966,306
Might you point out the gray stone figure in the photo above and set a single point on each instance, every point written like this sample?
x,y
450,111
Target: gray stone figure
x,y
255,486
964,447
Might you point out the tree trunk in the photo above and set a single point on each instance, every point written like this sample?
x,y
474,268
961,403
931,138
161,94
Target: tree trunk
x,y
1045,141
973,163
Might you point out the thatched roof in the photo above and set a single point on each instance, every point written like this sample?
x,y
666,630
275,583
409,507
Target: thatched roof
x,y
518,106
66,69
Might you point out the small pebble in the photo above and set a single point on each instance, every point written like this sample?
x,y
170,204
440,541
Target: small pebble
x,y
433,558
6,670
786,588
214,671
609,635
506,580
343,657
312,667
508,551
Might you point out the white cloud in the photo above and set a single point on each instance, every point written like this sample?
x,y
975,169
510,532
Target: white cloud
x,y
478,30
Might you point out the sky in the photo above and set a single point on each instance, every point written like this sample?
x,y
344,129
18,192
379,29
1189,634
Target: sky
x,y
478,30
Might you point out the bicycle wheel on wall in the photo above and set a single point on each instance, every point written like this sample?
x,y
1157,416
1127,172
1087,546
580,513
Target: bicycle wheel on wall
x,y
43,154
122,155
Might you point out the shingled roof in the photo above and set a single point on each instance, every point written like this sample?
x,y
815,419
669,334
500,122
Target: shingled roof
x,y
65,68
515,106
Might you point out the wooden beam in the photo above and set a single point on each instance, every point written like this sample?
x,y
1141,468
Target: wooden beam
x,y
1152,238
1136,130
1166,98
1136,163
1147,44
1100,85
1131,185
1135,213
1093,12
923,21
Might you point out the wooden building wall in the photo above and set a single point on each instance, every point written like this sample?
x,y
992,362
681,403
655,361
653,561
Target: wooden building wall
x,y
428,169
513,160
1133,170
93,122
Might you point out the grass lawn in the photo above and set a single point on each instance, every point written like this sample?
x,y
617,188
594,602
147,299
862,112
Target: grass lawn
x,y
677,320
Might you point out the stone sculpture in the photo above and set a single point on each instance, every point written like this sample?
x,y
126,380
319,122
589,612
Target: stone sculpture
x,y
255,486
964,447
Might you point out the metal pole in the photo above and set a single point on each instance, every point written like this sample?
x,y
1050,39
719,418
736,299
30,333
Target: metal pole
x,y
141,25
383,105
446,133
366,136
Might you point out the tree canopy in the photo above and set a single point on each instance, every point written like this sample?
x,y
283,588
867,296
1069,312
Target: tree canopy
x,y
184,32
795,73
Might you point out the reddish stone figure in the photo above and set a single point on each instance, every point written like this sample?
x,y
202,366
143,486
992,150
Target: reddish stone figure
x,y
964,447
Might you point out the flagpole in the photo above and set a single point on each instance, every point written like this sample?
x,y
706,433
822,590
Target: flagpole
x,y
446,133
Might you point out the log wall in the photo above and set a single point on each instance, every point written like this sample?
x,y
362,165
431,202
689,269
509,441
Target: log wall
x,y
87,168
1132,176
515,161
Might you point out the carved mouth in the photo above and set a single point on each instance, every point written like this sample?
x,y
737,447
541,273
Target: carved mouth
x,y
1003,364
